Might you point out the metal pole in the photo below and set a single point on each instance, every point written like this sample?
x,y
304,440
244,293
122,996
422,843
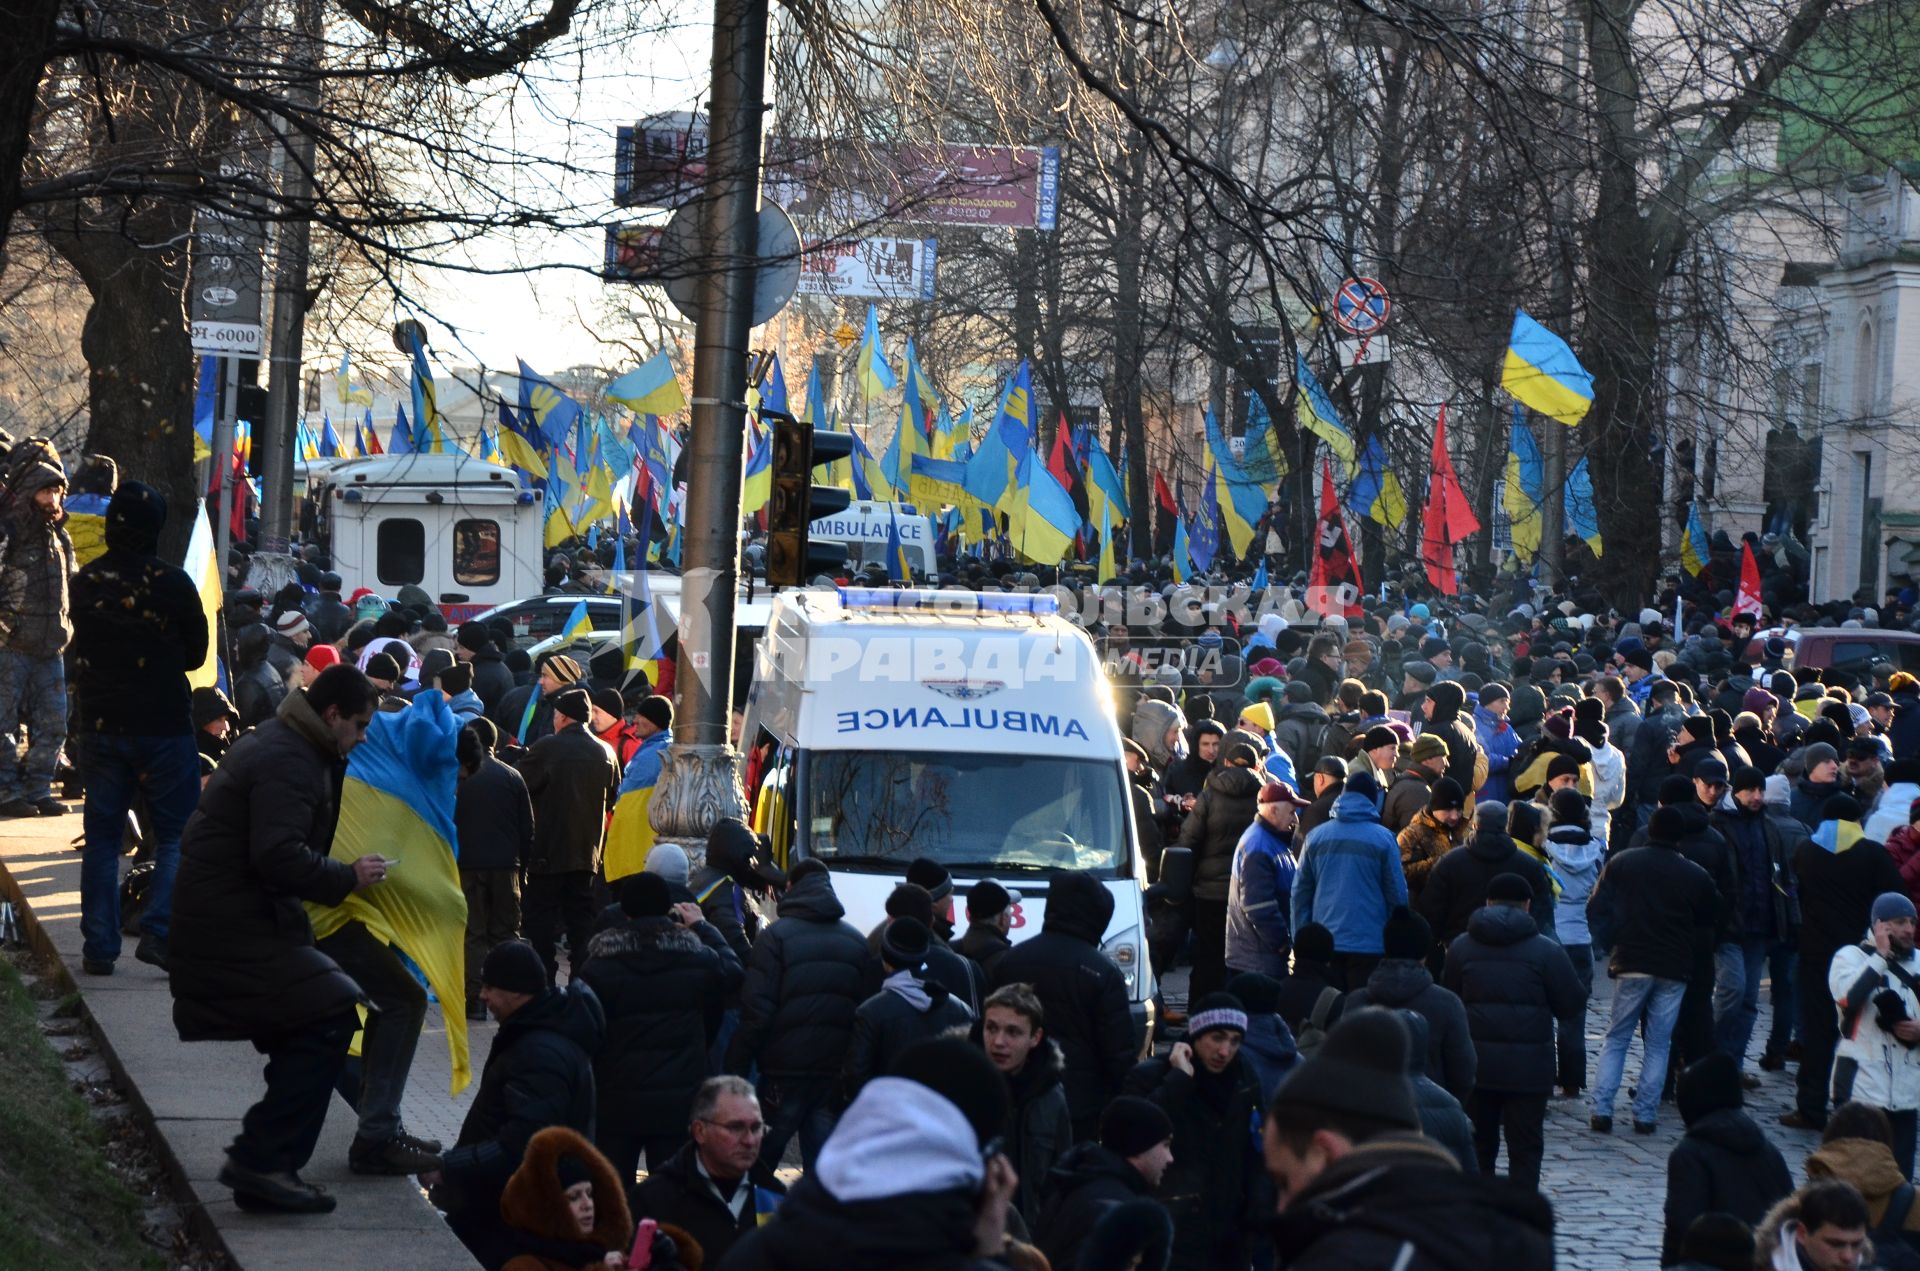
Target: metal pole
x,y
223,429
289,292
699,784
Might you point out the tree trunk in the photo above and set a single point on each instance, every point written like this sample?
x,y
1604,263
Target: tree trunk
x,y
29,27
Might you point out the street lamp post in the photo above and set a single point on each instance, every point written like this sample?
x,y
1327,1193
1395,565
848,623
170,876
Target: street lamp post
x,y
699,783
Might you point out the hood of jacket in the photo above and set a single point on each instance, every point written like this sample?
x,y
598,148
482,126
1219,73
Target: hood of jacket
x,y
1866,1163
812,899
1501,925
1574,848
1734,1130
1234,783
634,935
1312,712
535,1202
1084,1163
1078,906
1355,807
921,994
1397,981
1151,720
1491,843
573,1012
819,1232
1045,1068
298,714
41,471
135,518
1268,1037
899,1137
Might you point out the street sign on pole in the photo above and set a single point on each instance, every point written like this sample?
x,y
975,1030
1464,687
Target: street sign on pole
x,y
239,339
1361,306
1366,350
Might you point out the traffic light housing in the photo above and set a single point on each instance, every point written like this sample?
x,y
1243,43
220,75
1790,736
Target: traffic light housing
x,y
795,502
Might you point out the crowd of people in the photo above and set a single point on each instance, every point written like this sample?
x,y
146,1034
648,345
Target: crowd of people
x,y
1397,849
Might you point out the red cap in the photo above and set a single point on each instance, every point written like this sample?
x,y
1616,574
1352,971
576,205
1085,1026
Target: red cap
x,y
322,656
1281,792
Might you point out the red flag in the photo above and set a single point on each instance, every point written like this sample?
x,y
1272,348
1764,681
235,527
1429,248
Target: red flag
x,y
1164,496
1747,599
373,443
1449,519
1334,585
1058,463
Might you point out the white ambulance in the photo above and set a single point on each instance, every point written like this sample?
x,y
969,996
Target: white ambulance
x,y
975,729
866,527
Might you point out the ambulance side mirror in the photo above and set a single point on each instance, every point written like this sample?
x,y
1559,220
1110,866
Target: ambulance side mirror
x,y
1176,876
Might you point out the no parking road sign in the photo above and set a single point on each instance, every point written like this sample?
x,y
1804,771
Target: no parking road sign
x,y
1361,306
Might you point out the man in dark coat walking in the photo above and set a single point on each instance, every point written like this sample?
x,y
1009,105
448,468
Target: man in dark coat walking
x,y
572,777
138,628
1442,706
1723,1164
493,816
662,977
1082,991
809,973
911,1006
989,918
241,957
1457,886
492,681
1515,984
538,1073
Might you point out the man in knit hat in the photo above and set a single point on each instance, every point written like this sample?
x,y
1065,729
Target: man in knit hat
x,y
1124,1166
571,776
1426,762
1876,985
1359,1185
525,715
1210,1094
1515,983
1435,830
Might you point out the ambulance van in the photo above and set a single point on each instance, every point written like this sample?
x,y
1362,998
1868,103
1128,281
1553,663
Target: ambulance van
x,y
975,729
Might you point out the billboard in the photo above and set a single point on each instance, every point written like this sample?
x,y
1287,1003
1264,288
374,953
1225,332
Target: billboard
x,y
870,269
662,162
226,270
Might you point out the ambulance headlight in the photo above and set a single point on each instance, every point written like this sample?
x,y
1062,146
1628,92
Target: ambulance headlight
x,y
1124,949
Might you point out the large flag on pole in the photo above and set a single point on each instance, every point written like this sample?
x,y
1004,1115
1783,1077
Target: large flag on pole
x,y
1583,521
870,368
1523,491
1375,492
650,388
1693,541
1449,519
1316,413
1542,372
1334,585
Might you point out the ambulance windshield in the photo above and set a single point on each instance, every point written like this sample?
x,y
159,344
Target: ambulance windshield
x,y
1030,813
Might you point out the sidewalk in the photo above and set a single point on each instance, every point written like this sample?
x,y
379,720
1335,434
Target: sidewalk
x,y
193,1095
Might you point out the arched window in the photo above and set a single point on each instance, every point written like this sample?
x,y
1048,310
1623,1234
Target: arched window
x,y
1866,365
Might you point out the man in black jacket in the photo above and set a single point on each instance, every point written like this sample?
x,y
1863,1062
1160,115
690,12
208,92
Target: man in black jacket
x,y
492,681
911,1006
1211,1095
138,628
241,961
1657,910
1723,1164
1441,707
1457,885
1038,1131
538,1073
662,976
1765,919
1515,984
1125,1165
989,919
1082,991
572,777
493,816
328,614
809,973
960,976
715,1188
1839,872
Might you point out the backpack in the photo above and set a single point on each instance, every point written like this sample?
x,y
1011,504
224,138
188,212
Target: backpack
x,y
1314,1031
1893,1247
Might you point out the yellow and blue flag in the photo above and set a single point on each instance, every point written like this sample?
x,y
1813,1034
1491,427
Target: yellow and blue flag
x,y
1262,459
1316,412
630,833
650,388
940,481
1106,493
1583,521
757,485
350,393
1203,543
1542,372
898,571
397,801
304,444
909,437
329,439
550,409
429,434
1041,518
1006,444
519,447
1107,568
1693,541
1182,562
1376,493
400,440
579,624
870,369
1524,488
869,479
1241,500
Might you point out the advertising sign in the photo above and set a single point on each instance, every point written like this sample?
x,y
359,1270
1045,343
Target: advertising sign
x,y
870,269
227,270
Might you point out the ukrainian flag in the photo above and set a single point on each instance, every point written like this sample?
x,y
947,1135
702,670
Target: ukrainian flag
x,y
943,482
898,571
1376,493
870,367
518,448
1105,490
1542,372
630,833
1693,541
1523,492
1007,441
1204,542
1041,519
549,408
1240,499
428,436
200,565
869,478
329,439
1317,414
1262,461
1582,520
400,440
350,393
397,801
650,388
1107,566
757,487
87,526
1182,563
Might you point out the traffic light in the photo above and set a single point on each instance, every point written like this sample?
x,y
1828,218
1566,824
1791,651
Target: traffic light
x,y
795,502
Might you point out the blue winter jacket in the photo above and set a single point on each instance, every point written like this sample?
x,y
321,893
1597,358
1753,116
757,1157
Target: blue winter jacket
x,y
1259,897
1501,743
1349,877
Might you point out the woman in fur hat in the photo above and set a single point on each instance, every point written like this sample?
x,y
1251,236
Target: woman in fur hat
x,y
564,1211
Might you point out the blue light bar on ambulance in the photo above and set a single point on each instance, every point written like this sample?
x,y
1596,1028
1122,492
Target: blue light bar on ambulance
x,y
941,601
